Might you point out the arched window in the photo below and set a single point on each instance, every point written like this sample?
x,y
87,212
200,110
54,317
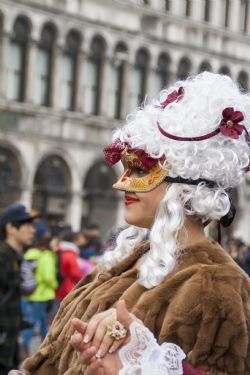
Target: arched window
x,y
44,65
184,68
188,8
225,70
69,70
243,81
167,5
139,78
100,198
226,12
94,76
244,15
207,10
162,72
10,177
205,67
116,81
52,188
17,60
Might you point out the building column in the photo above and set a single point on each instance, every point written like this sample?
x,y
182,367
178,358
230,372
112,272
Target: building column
x,y
55,78
126,89
31,63
103,104
75,211
26,197
4,57
234,15
177,8
217,12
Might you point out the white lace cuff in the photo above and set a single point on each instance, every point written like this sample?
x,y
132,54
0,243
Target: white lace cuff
x,y
143,356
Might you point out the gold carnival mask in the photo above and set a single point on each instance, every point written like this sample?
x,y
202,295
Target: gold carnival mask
x,y
136,177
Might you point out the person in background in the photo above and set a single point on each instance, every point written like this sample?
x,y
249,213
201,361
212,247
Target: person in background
x,y
16,233
68,264
92,245
35,306
87,259
247,261
237,249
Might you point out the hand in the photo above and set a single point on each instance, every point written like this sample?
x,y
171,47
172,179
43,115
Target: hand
x,y
16,372
110,363
85,336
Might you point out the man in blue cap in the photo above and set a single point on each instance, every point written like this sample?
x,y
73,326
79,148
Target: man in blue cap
x,y
16,232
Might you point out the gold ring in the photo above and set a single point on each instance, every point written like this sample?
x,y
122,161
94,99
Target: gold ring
x,y
116,330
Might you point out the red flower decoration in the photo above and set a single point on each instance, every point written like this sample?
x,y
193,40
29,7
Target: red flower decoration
x,y
229,125
172,97
112,154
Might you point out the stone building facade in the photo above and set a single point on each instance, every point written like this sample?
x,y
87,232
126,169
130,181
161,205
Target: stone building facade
x,y
70,71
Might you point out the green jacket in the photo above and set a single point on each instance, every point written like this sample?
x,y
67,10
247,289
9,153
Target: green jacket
x,y
45,275
10,313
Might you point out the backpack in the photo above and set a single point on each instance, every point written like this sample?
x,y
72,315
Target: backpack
x,y
59,275
28,279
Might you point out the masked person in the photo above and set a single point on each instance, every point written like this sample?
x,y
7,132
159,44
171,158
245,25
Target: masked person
x,y
182,155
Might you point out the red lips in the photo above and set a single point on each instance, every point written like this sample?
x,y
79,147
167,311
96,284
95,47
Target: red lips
x,y
130,200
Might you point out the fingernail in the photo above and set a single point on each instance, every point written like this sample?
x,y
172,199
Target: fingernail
x,y
111,350
99,353
86,339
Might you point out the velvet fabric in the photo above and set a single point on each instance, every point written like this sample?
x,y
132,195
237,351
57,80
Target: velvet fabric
x,y
203,306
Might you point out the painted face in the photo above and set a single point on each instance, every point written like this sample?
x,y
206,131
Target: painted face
x,y
136,177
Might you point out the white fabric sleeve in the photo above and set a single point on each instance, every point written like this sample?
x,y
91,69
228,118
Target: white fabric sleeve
x,y
143,356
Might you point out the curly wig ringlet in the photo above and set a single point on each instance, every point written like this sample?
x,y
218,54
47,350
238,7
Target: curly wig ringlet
x,y
221,159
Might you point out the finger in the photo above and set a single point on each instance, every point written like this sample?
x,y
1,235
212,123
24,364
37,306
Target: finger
x,y
117,344
87,355
123,315
96,363
95,321
77,342
79,325
102,341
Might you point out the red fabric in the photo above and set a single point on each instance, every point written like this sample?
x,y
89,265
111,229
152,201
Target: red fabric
x,y
172,97
70,270
112,154
189,370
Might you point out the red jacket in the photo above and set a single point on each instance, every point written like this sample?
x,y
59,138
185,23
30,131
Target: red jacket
x,y
69,268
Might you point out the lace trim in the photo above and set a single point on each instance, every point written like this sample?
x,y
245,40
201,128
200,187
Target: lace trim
x,y
143,356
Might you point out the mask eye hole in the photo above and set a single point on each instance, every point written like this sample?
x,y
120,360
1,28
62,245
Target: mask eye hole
x,y
138,172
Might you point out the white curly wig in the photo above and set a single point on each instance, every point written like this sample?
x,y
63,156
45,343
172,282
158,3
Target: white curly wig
x,y
220,159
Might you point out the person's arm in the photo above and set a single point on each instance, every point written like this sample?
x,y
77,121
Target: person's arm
x,y
5,265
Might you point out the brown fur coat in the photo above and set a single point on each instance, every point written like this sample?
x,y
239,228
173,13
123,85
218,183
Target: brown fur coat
x,y
203,306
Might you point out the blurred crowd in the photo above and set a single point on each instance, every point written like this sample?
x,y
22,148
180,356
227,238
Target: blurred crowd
x,y
240,252
61,258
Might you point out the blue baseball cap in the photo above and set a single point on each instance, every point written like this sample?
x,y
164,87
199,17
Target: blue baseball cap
x,y
15,213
